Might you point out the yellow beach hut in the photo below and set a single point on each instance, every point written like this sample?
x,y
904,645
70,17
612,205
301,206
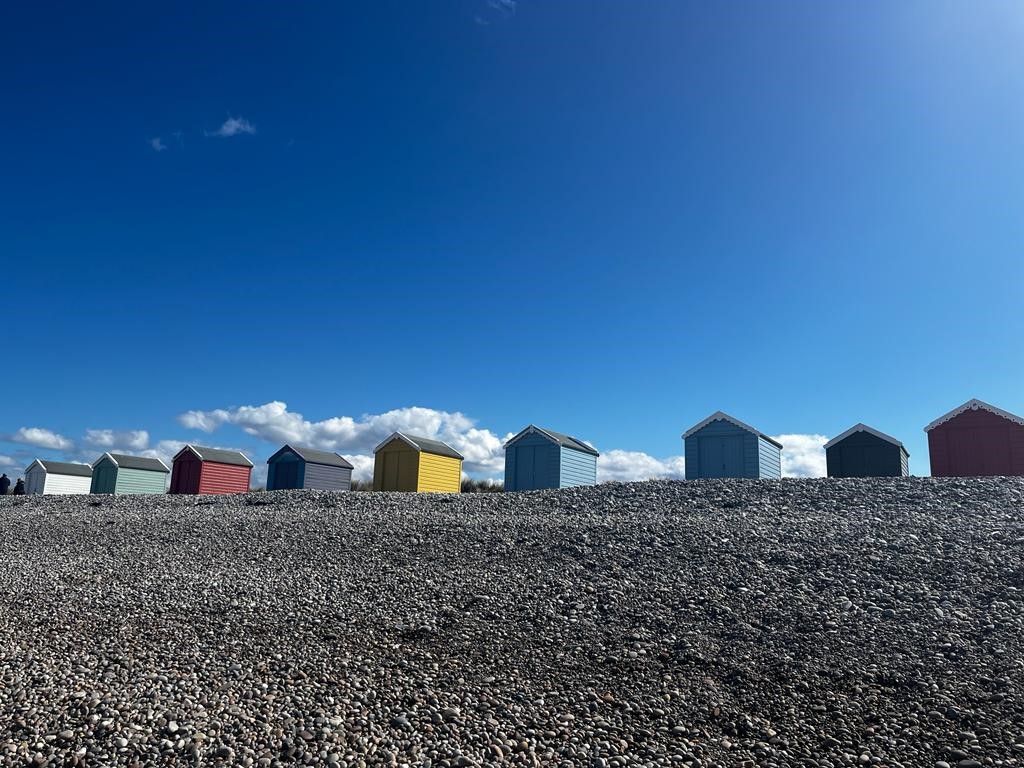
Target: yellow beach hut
x,y
411,463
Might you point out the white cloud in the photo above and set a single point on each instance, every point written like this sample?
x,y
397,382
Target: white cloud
x,y
6,461
362,467
274,423
626,466
41,438
803,455
157,144
109,439
233,126
258,477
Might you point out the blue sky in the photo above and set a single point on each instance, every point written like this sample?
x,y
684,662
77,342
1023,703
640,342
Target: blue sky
x,y
609,218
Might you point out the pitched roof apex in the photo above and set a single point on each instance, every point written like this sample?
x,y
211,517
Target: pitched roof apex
x,y
861,427
568,441
723,416
416,442
974,404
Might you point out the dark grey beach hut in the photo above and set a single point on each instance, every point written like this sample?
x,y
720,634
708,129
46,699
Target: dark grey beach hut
x,y
297,467
862,451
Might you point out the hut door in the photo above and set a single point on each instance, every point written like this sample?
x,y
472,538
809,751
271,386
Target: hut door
x,y
853,461
188,477
104,480
391,461
721,456
287,474
524,467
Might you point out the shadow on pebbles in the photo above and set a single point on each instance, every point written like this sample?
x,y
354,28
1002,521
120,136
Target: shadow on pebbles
x,y
719,623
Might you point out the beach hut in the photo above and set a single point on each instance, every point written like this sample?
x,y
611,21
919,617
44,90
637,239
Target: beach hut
x,y
862,451
57,478
296,467
723,446
210,470
542,458
119,473
976,439
410,463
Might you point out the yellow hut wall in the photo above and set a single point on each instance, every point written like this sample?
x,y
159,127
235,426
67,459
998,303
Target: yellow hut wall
x,y
439,474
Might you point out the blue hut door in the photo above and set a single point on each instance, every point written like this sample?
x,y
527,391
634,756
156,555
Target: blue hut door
x,y
286,475
721,456
524,467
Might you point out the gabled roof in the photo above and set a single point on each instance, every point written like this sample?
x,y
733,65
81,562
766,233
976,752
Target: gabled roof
x,y
125,461
565,441
974,405
217,455
424,444
865,428
62,468
722,416
313,456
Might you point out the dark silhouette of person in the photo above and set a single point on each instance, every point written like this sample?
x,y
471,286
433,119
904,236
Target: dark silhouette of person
x,y
5,484
19,487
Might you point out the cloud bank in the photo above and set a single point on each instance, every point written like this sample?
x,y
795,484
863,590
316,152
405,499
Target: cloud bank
x,y
356,438
626,466
803,455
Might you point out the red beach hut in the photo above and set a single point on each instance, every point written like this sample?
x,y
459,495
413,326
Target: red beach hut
x,y
210,470
976,439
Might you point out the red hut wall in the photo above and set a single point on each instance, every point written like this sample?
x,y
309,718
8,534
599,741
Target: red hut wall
x,y
185,473
976,442
223,478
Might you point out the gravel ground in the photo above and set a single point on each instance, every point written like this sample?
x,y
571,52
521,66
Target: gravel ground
x,y
734,623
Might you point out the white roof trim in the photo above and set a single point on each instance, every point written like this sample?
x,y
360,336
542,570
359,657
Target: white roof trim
x,y
723,416
107,455
528,430
870,431
401,437
188,447
973,405
719,416
34,462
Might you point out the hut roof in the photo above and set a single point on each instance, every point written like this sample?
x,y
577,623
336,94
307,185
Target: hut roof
x,y
424,444
871,431
722,416
566,441
973,405
63,468
314,456
217,455
134,462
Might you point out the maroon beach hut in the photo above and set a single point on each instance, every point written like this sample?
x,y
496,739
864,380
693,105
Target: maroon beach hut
x,y
976,439
210,470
